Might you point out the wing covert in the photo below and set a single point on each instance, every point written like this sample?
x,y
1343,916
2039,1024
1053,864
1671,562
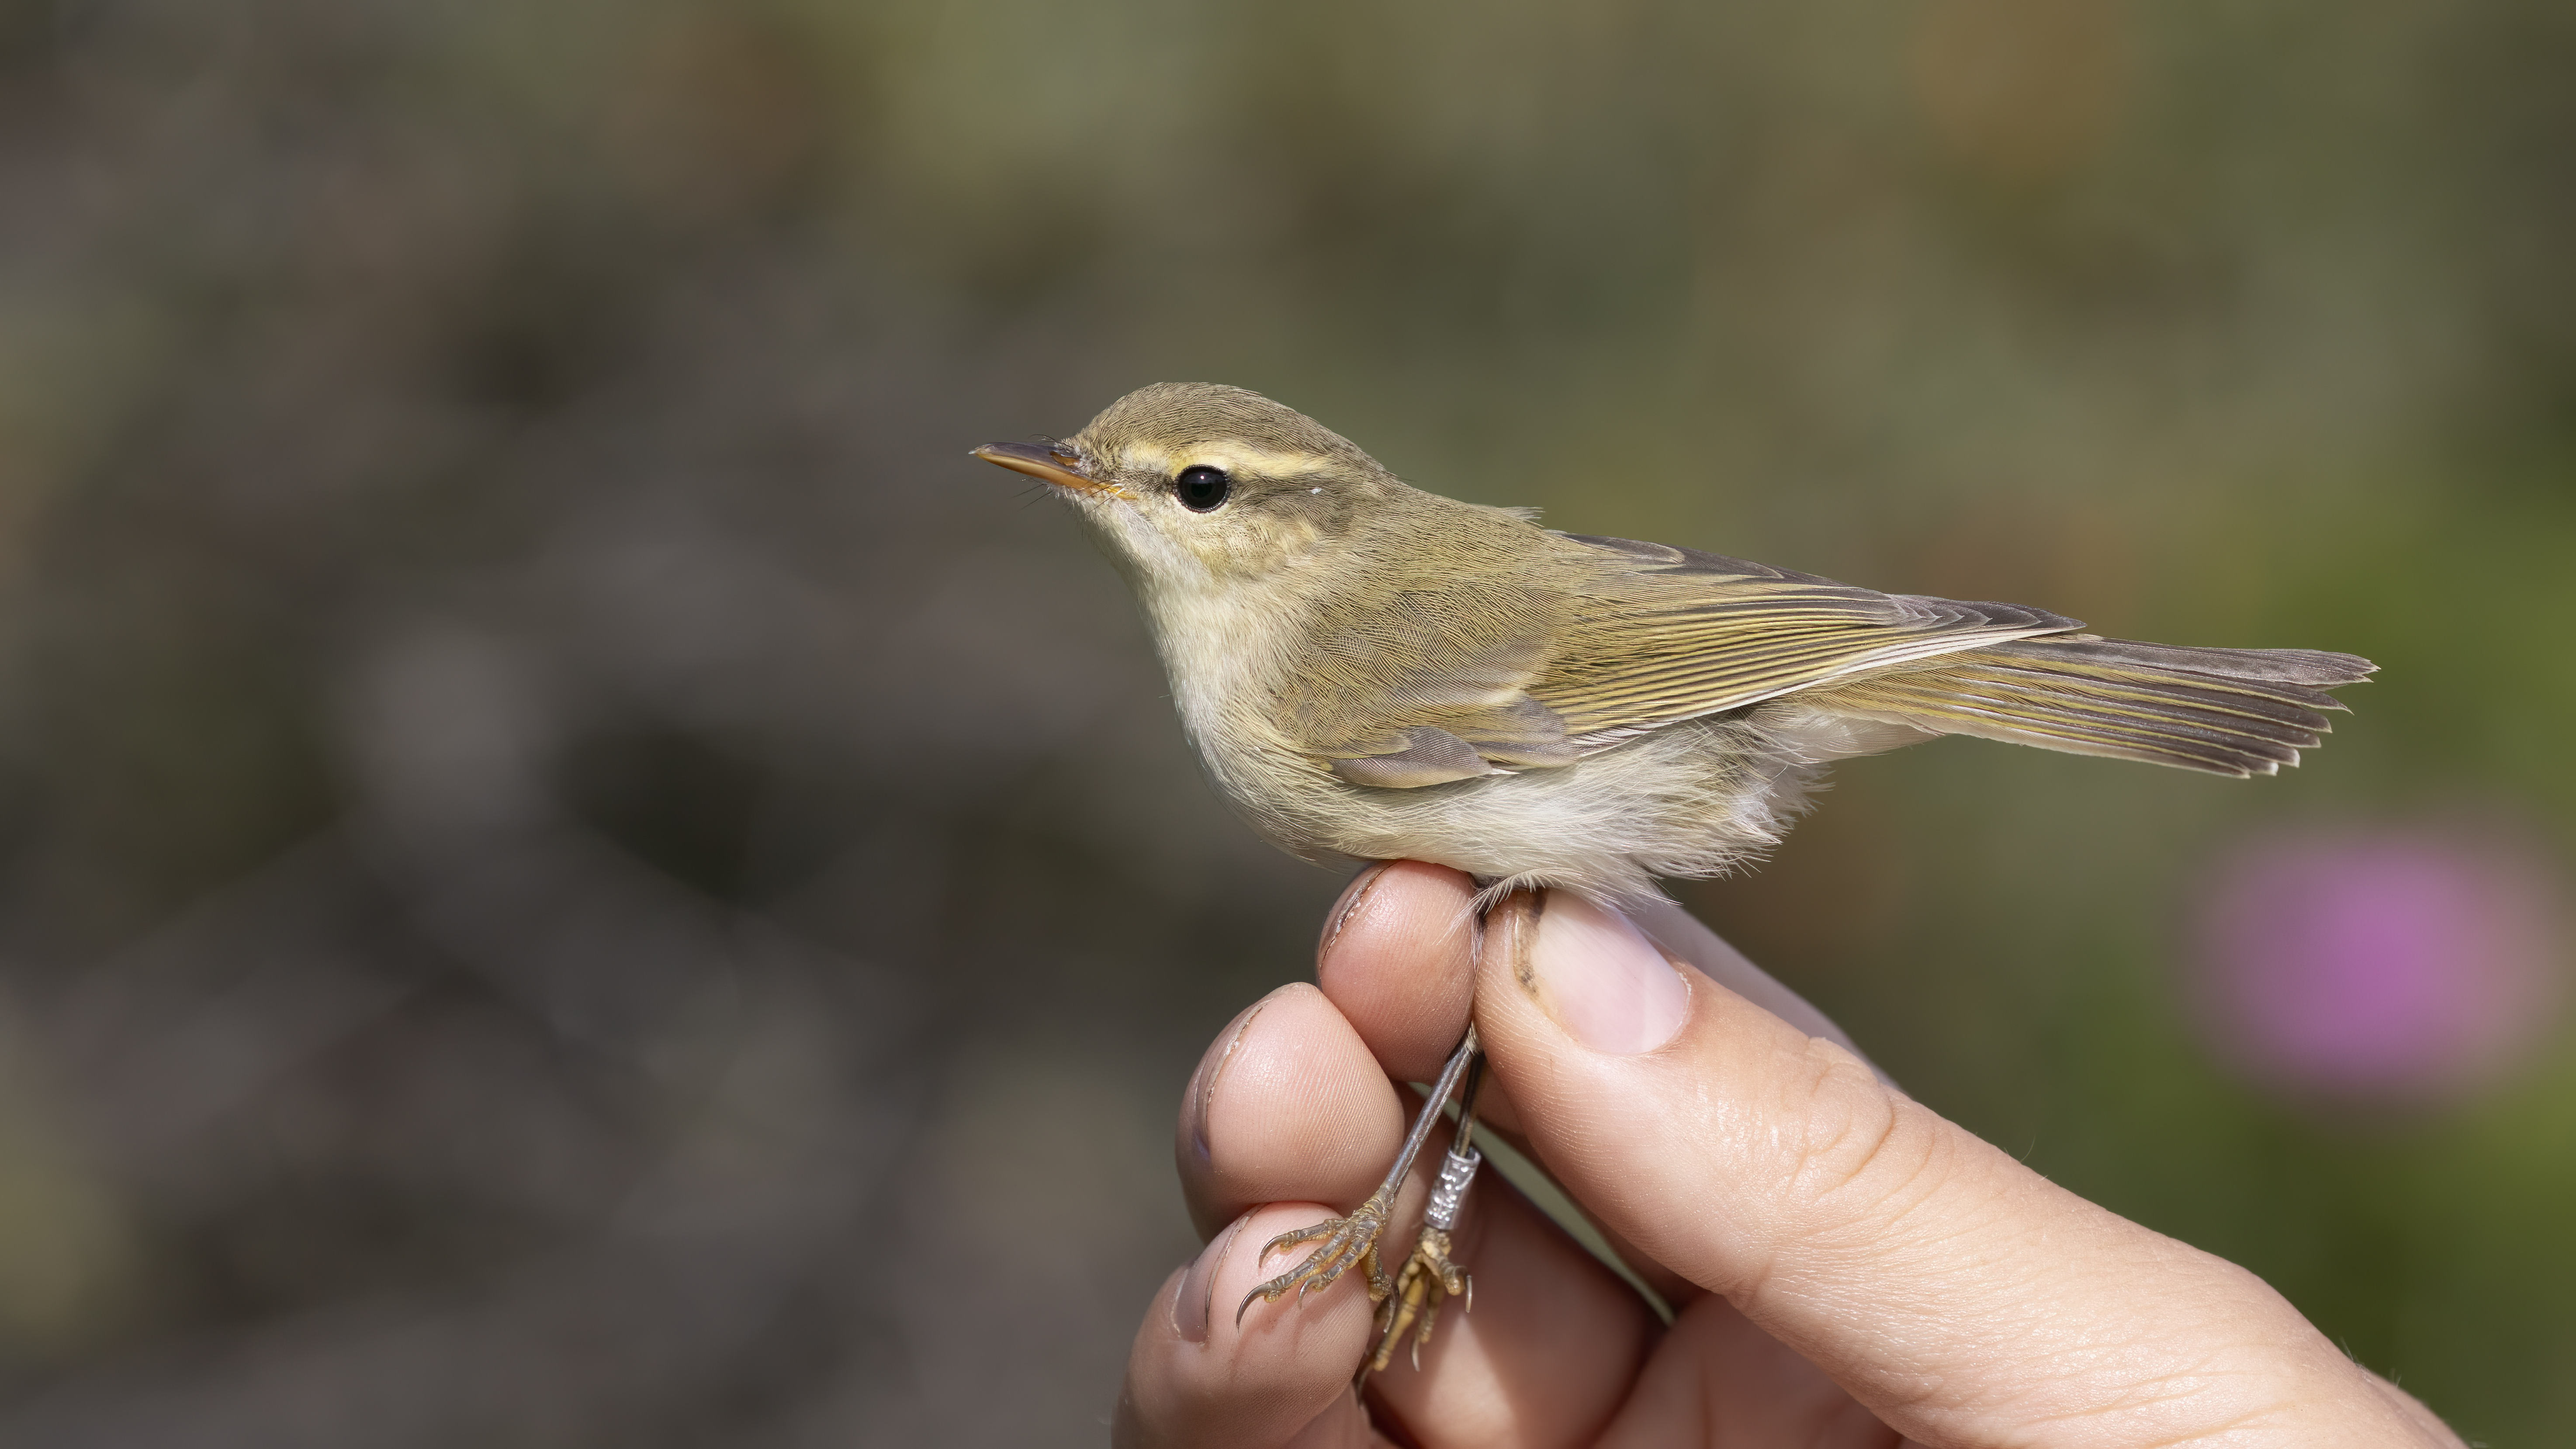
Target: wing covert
x,y
1432,684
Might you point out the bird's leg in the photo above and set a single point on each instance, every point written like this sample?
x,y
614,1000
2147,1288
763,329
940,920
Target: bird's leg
x,y
1341,1242
1428,1278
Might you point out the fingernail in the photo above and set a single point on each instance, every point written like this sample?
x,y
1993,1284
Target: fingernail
x,y
1596,974
1354,896
1193,1306
1212,1069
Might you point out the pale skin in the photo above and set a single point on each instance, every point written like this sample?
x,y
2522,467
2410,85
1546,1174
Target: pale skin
x,y
1849,1269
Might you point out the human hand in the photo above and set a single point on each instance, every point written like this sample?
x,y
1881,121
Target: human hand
x,y
1847,1267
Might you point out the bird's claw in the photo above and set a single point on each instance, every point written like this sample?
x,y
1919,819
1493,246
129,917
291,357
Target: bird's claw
x,y
1341,1242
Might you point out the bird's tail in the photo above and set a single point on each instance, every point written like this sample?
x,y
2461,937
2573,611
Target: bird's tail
x,y
2227,711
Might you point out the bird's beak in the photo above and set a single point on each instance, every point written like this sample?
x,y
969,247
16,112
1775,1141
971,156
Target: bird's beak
x,y
1047,464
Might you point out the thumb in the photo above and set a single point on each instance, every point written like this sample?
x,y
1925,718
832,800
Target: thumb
x,y
1957,1294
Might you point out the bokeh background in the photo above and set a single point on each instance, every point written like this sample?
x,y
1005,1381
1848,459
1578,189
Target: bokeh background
x,y
572,872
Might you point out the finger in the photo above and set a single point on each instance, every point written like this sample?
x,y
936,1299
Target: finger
x,y
1287,1105
1398,959
1269,1095
1282,1376
1955,1293
1547,1314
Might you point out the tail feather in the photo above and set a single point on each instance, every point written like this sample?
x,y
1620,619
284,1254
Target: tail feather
x,y
2226,711
2311,667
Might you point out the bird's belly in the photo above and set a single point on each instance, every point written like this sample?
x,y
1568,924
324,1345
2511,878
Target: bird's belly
x,y
1687,800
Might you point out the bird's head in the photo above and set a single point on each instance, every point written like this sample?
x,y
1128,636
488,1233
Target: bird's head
x,y
1197,485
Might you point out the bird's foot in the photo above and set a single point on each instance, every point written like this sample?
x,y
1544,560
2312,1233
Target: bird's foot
x,y
1428,1277
1340,1243
1427,1280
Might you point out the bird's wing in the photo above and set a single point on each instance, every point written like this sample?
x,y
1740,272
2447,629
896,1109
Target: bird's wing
x,y
1669,634
1531,678
1509,676
1431,683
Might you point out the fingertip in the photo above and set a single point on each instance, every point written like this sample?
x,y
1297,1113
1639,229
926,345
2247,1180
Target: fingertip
x,y
1287,1106
1353,896
1264,1380
1398,959
1193,1307
1192,1147
1147,1386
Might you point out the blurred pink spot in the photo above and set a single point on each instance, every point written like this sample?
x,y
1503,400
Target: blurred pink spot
x,y
2390,965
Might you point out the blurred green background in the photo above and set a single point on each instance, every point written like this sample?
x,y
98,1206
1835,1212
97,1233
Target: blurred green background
x,y
575,873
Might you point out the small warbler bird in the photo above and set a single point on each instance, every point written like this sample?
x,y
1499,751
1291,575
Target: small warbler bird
x,y
1374,671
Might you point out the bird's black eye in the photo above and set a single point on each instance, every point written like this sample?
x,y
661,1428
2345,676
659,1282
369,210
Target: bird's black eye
x,y
1202,489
